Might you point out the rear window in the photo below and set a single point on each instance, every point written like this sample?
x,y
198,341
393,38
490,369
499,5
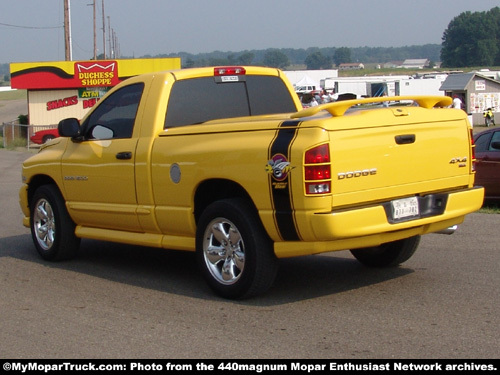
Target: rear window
x,y
195,101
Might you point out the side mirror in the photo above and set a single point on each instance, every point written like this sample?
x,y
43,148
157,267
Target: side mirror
x,y
69,127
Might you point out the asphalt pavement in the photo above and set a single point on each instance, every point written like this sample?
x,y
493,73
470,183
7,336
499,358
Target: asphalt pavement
x,y
117,301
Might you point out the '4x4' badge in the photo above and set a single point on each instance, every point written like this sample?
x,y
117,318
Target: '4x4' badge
x,y
278,167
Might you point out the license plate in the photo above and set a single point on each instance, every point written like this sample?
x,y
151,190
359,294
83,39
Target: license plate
x,y
405,208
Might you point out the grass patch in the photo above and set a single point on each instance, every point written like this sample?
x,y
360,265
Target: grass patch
x,y
13,95
371,70
490,208
16,143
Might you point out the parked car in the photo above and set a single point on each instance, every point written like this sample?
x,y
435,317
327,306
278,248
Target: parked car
x,y
42,136
488,162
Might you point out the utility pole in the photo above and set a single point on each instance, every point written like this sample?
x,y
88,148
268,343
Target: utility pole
x,y
103,31
95,34
115,46
109,38
68,49
113,41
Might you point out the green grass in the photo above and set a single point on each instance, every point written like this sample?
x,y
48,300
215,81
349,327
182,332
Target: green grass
x,y
13,95
370,70
15,144
490,208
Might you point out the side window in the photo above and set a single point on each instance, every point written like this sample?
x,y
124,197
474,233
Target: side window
x,y
482,142
495,138
115,116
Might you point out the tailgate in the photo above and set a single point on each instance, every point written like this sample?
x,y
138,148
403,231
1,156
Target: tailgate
x,y
395,152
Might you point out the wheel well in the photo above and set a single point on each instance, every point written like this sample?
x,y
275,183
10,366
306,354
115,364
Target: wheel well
x,y
36,182
217,189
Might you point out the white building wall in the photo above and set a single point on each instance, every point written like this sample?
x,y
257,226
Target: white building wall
x,y
48,107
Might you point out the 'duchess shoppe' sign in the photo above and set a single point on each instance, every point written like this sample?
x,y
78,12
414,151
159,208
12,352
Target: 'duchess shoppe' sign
x,y
61,89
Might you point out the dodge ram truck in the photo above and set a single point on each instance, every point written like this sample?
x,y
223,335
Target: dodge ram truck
x,y
225,162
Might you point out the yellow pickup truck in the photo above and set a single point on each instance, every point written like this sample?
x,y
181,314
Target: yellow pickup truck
x,y
225,162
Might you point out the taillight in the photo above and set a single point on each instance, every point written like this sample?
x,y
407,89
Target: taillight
x,y
473,152
229,71
317,170
320,154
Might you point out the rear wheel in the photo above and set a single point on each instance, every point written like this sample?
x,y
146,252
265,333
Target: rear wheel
x,y
389,254
52,229
234,252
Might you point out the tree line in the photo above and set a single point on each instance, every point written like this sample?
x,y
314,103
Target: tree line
x,y
312,58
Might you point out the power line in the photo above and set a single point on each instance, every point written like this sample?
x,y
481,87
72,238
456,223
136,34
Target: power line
x,y
31,27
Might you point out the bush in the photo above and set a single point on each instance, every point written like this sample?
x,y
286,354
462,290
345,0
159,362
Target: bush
x,y
23,119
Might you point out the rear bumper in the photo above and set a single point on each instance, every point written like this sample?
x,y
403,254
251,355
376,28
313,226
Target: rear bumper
x,y
370,226
373,220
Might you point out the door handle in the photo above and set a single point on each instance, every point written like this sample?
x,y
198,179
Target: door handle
x,y
405,139
126,155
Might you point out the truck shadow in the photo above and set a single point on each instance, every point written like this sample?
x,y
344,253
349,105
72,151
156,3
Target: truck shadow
x,y
176,272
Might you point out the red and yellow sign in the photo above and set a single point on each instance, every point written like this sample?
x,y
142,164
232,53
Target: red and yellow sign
x,y
96,74
74,75
64,89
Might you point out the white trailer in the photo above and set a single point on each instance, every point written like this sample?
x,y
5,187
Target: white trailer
x,y
372,86
427,85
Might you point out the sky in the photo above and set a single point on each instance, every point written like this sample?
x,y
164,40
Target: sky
x,y
32,30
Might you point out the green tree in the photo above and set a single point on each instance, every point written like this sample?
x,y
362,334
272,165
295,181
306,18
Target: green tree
x,y
246,58
472,39
276,59
189,63
317,60
342,55
495,16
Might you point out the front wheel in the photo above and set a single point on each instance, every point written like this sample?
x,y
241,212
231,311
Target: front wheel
x,y
52,229
389,254
234,252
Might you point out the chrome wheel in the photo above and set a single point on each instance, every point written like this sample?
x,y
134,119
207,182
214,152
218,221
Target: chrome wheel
x,y
233,250
52,229
224,251
44,224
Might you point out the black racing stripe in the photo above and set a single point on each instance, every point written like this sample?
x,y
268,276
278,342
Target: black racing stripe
x,y
44,69
281,189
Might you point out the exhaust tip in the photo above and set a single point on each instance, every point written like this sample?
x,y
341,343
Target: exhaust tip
x,y
449,230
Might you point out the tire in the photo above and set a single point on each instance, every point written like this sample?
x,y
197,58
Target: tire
x,y
52,229
390,254
234,252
